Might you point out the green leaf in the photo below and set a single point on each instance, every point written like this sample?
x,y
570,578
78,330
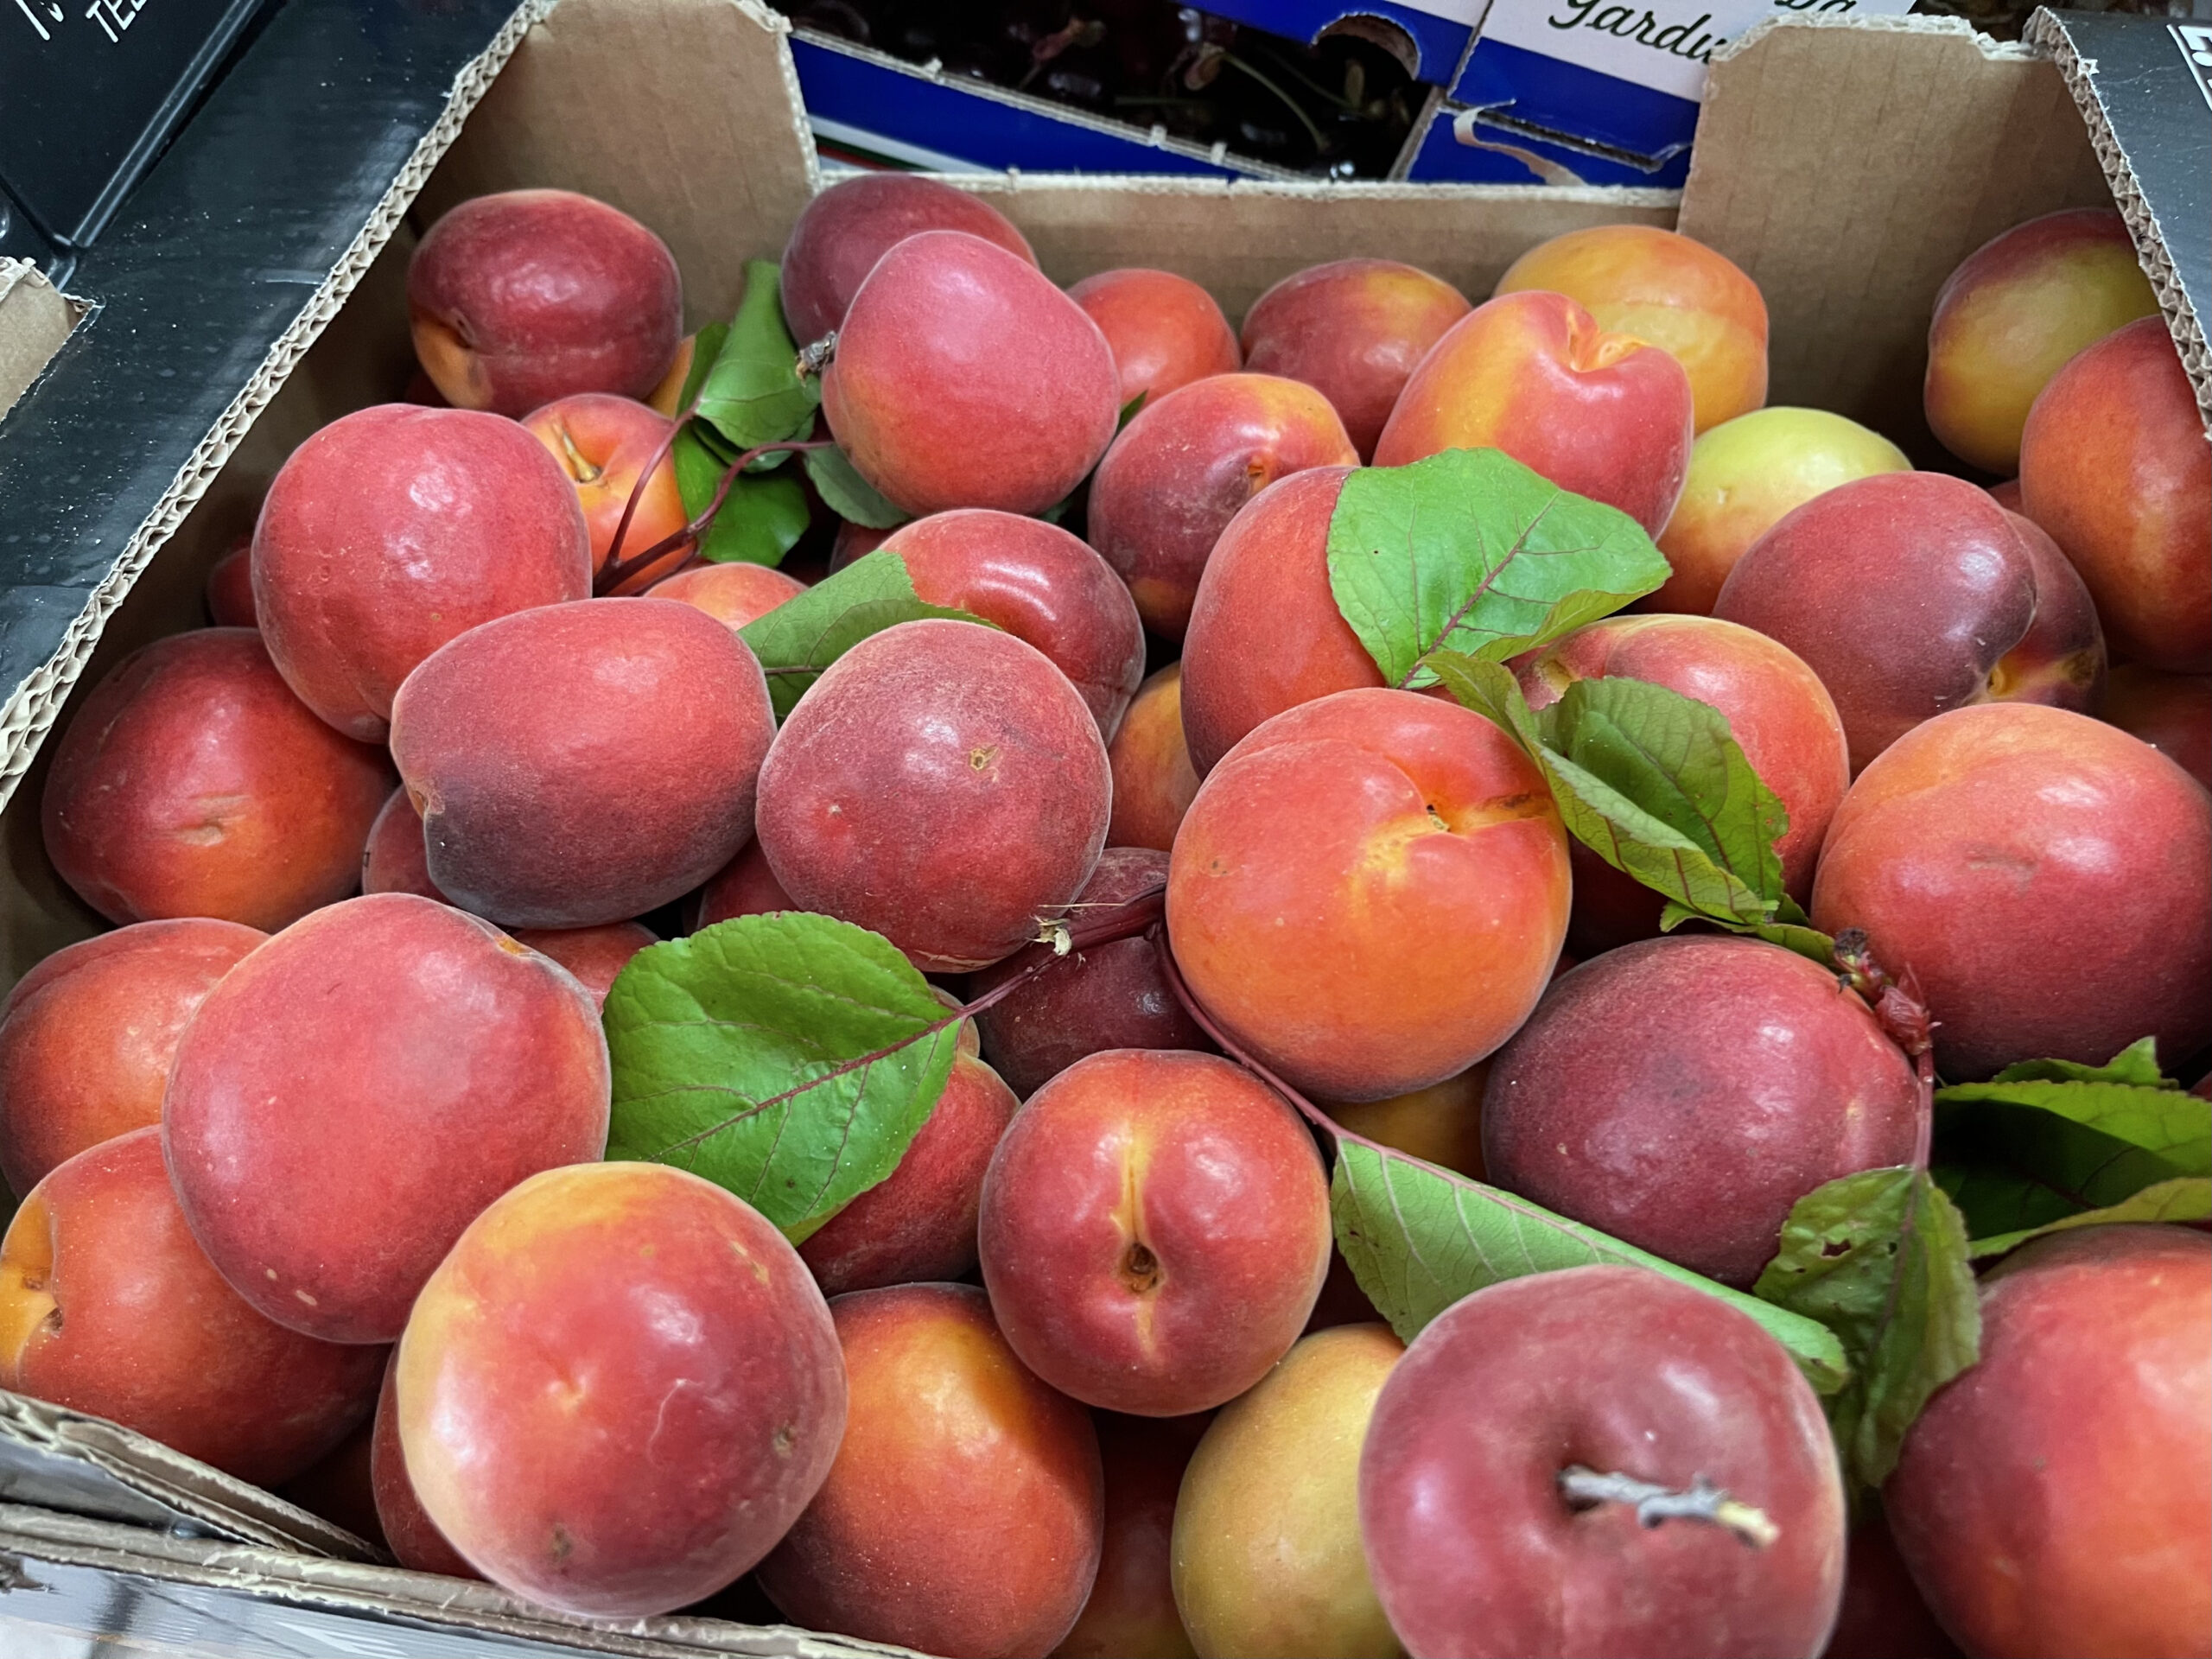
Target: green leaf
x,y
753,393
1880,1258
706,347
2186,1197
1470,551
1129,411
2016,1169
1418,1238
2137,1064
806,633
2172,1123
761,519
789,1059
848,494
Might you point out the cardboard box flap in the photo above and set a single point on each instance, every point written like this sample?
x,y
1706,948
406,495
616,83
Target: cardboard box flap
x,y
36,320
1849,166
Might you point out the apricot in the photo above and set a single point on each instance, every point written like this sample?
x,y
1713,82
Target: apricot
x,y
581,764
1354,330
602,443
1474,1546
734,593
394,530
87,1035
2057,1498
744,886
1153,779
1265,633
1668,291
848,227
410,1534
2060,659
619,1390
2047,876
350,1094
1180,470
1441,1124
1776,709
396,858
2011,315
964,1511
963,378
1909,594
230,587
1131,1612
2170,712
1596,412
1266,1547
2113,464
522,297
919,1222
593,955
193,783
942,784
1743,475
1040,584
1155,1228
1165,331
1683,1094
107,1306
667,396
1097,997
1370,891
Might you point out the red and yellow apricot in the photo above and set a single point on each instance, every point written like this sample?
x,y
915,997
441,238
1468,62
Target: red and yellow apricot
x,y
1153,780
410,1534
1165,330
1131,1611
734,592
602,444
844,231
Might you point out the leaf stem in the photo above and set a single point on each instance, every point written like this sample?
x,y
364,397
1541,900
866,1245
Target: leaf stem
x,y
618,569
1901,1009
1701,1501
683,418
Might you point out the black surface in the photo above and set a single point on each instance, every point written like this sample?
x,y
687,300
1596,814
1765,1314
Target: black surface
x,y
203,268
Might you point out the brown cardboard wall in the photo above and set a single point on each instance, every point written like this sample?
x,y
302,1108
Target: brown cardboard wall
x,y
35,320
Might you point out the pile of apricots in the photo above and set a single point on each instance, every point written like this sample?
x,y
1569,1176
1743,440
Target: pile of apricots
x,y
310,1143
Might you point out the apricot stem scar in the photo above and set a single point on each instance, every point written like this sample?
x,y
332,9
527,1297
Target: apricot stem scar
x,y
1701,1501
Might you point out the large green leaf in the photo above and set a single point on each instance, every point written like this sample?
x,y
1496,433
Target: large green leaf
x,y
807,632
1418,1238
706,347
1470,551
2137,1064
760,520
2186,1197
2015,1168
2170,1122
1880,1258
846,493
753,394
789,1059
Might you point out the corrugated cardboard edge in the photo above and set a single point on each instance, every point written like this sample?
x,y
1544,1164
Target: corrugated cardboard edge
x,y
2046,32
32,706
33,1536
35,318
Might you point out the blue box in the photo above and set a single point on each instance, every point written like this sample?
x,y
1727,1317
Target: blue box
x,y
1463,146
1437,33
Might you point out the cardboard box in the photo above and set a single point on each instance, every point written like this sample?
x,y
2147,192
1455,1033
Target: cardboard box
x,y
1847,167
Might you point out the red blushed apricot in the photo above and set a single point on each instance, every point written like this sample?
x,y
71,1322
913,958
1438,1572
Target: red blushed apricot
x,y
619,1390
230,587
2047,876
942,784
1683,1094
593,955
2114,465
1369,894
581,764
87,1035
1155,1229
2056,1496
734,593
2061,658
1165,331
108,1306
1476,1552
386,1068
1599,413
1668,291
1181,469
2010,317
919,1222
1776,709
1265,634
1097,997
396,860
963,378
845,229
193,783
410,1534
2170,712
1153,780
744,886
1131,1613
1354,330
1744,474
1040,584
602,443
964,1512
519,298
394,530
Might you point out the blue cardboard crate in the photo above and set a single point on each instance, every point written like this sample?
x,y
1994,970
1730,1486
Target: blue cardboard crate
x,y
1460,147
1437,30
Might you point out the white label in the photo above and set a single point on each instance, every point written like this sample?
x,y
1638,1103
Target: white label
x,y
1662,44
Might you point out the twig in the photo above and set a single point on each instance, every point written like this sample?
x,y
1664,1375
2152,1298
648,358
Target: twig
x,y
1702,1501
619,570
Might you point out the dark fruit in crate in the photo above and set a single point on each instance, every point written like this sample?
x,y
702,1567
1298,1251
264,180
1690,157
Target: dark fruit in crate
x,y
230,589
2170,712
1165,330
845,229
1131,1613
396,860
